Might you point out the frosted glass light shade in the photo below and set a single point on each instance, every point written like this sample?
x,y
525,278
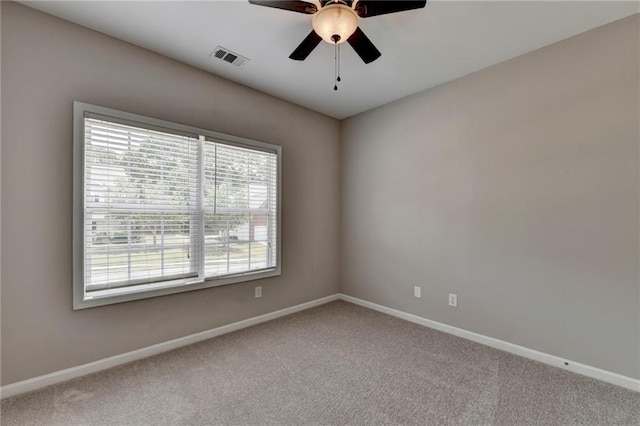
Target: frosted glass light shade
x,y
335,19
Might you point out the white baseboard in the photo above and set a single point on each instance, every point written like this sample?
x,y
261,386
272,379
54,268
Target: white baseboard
x,y
576,367
103,364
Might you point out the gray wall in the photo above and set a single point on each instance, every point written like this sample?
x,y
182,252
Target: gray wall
x,y
515,187
48,63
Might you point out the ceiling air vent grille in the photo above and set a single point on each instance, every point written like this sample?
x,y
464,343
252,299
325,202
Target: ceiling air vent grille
x,y
229,56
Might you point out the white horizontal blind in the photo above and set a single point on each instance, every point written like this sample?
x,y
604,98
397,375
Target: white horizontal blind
x,y
164,208
240,209
141,205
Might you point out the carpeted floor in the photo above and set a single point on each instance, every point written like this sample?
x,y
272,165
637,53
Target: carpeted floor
x,y
332,365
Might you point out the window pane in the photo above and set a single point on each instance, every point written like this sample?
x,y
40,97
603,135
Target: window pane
x,y
141,205
240,204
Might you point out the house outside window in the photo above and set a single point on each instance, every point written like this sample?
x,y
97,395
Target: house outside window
x,y
161,208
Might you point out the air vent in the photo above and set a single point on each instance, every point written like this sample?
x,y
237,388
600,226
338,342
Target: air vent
x,y
229,56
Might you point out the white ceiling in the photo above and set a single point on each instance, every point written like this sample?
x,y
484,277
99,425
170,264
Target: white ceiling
x,y
420,48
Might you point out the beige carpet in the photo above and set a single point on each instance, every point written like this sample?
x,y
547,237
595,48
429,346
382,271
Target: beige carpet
x,y
335,364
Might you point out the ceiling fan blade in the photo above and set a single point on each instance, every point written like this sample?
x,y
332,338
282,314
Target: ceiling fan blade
x,y
368,8
363,46
306,47
294,6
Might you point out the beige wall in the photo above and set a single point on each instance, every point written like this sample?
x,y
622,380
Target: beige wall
x,y
48,63
515,187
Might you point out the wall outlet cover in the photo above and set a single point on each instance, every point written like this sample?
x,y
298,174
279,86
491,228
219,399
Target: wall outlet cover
x,y
453,300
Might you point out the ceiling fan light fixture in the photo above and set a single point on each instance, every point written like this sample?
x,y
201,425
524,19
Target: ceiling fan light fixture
x,y
335,20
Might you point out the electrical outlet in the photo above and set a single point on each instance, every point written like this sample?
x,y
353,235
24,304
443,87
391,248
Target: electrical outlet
x,y
417,292
258,292
453,300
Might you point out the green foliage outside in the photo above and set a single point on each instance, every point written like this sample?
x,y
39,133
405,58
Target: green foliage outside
x,y
147,175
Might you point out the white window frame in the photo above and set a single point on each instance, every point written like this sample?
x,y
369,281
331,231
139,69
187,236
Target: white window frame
x,y
143,291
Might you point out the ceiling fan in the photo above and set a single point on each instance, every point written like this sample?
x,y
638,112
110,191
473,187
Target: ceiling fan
x,y
337,21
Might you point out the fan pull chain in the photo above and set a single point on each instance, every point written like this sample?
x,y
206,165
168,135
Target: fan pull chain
x,y
335,65
336,58
338,79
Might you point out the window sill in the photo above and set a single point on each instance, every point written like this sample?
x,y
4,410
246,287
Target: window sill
x,y
144,291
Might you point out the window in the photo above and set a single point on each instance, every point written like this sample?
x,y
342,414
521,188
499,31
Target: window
x,y
162,208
